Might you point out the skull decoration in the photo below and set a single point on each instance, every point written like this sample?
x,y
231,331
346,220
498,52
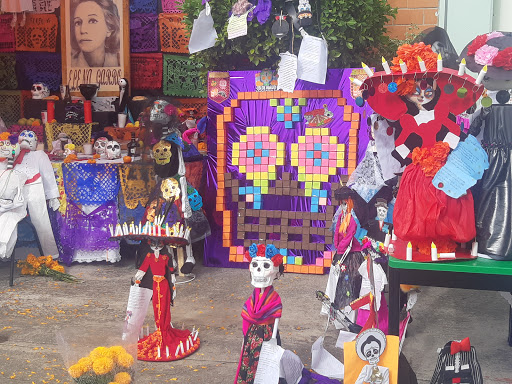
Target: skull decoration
x,y
37,37
370,345
196,201
170,188
382,209
264,266
100,145
9,150
158,114
162,152
113,150
27,140
69,149
40,91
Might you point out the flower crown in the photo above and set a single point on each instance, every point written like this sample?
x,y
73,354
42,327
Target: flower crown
x,y
270,252
489,55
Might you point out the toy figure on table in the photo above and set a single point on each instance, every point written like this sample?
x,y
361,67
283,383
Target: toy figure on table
x,y
40,187
344,280
378,227
261,312
166,343
493,193
421,102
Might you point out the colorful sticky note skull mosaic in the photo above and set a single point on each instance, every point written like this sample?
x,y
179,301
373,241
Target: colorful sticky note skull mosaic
x,y
274,180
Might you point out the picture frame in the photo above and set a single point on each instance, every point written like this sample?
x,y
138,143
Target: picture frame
x,y
95,44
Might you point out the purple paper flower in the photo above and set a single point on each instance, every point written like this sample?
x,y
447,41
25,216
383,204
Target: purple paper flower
x,y
486,54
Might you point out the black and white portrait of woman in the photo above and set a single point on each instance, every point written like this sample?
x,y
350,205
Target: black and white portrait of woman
x,y
94,33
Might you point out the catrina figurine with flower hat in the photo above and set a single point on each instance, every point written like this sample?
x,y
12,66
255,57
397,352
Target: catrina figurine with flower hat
x,y
420,99
493,123
262,311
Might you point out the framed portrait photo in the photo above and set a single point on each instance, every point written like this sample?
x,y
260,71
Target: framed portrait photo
x,y
95,38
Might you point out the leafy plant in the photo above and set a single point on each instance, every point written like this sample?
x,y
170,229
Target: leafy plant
x,y
354,29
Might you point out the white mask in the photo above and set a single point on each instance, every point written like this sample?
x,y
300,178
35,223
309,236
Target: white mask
x,y
27,140
100,145
40,91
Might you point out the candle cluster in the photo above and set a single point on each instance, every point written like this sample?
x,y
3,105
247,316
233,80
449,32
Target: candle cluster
x,y
156,229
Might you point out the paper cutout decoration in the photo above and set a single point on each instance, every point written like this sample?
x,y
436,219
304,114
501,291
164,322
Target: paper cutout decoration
x,y
173,33
237,25
7,71
45,6
324,363
143,6
203,34
266,80
39,34
218,86
146,70
143,32
464,166
172,6
7,35
181,77
372,356
287,72
312,60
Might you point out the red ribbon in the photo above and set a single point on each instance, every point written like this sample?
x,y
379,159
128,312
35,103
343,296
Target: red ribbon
x,y
463,346
456,380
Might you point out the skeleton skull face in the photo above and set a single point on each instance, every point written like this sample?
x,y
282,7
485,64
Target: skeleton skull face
x,y
263,272
40,91
372,352
69,149
162,152
9,150
37,37
100,145
157,114
156,245
113,150
196,201
370,345
170,188
27,140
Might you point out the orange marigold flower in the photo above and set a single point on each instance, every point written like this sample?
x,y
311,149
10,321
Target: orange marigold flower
x,y
125,360
99,352
440,151
59,268
76,371
96,156
409,55
91,161
102,365
123,378
85,363
31,258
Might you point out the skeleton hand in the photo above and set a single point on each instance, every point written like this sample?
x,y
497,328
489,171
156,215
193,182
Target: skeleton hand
x,y
54,203
138,276
347,310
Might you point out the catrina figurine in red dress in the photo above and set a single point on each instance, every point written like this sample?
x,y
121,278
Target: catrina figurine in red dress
x,y
166,343
420,100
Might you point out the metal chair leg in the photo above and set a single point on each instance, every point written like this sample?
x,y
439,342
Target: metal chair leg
x,y
13,261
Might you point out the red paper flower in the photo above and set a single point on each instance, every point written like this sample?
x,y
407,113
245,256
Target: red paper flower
x,y
477,44
277,260
504,59
261,250
440,151
409,55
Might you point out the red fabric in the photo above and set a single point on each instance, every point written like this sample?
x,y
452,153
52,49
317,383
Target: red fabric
x,y
463,346
423,212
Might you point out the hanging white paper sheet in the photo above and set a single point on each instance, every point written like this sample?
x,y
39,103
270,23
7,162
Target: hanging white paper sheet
x,y
324,363
269,363
136,310
237,25
287,72
312,60
203,34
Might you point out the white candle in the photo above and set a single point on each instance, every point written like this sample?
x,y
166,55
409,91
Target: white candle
x,y
188,344
447,255
140,227
119,231
423,67
177,351
439,63
167,351
433,252
403,66
167,233
474,248
125,228
481,75
387,239
356,81
181,347
385,65
391,248
393,236
462,67
132,228
195,336
367,69
408,254
111,229
158,353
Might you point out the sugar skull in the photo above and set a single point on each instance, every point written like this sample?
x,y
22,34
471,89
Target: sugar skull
x,y
100,145
40,91
158,114
69,149
9,150
170,189
27,140
162,152
37,37
113,150
264,265
196,201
